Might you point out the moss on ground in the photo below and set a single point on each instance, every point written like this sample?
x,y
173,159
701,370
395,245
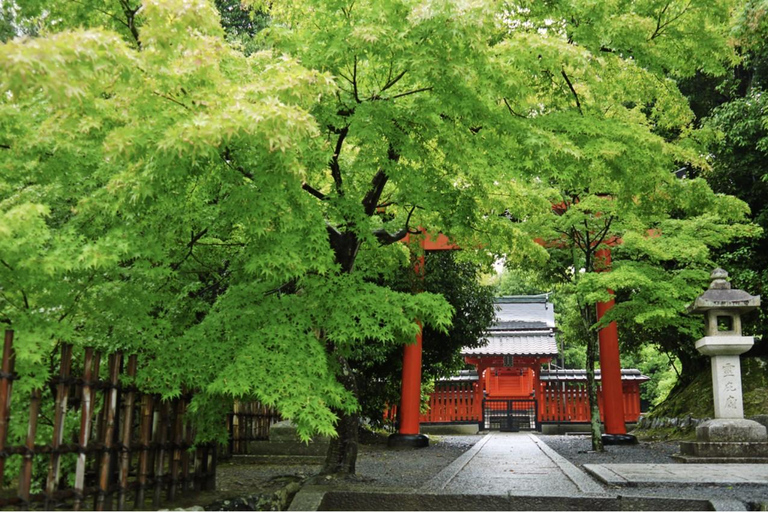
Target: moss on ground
x,y
650,435
696,399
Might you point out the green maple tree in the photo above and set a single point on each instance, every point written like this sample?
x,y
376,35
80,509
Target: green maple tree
x,y
226,213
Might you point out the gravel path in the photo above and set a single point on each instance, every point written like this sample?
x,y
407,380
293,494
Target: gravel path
x,y
578,451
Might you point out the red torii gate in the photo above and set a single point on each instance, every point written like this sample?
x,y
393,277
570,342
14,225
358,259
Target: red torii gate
x,y
610,366
409,434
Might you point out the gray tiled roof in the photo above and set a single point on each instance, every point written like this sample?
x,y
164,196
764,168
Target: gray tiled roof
x,y
537,343
463,376
535,309
579,375
518,325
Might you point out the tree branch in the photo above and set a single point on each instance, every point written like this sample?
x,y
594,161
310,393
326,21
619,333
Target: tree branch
x,y
313,191
221,244
170,98
393,81
416,91
102,11
386,238
373,195
660,27
227,157
509,107
130,15
570,86
191,245
354,80
334,163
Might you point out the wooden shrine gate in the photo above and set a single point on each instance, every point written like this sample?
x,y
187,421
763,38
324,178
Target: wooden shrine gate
x,y
509,415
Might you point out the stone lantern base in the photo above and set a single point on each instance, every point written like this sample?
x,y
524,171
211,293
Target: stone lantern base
x,y
727,441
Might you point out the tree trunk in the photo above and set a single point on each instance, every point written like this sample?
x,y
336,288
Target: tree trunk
x,y
342,451
589,317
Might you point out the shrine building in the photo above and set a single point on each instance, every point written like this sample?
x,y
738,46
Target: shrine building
x,y
517,383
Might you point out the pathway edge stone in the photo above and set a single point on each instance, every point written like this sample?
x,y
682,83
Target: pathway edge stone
x,y
585,484
308,498
607,476
443,478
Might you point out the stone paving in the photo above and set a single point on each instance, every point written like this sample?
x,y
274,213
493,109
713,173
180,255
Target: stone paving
x,y
680,474
513,463
518,471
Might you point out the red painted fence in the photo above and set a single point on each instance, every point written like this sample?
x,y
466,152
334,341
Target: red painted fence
x,y
453,402
561,402
568,402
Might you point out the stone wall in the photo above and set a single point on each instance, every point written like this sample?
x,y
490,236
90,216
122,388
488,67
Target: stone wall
x,y
684,423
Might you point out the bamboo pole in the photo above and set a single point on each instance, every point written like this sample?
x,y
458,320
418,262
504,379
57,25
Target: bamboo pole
x,y
6,381
185,454
145,435
25,475
110,404
162,432
178,427
210,481
86,415
60,411
125,453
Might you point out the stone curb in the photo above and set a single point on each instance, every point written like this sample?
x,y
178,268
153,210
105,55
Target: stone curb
x,y
607,476
440,480
309,497
585,484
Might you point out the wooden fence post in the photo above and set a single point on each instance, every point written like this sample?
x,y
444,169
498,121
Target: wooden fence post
x,y
90,376
108,433
125,448
161,437
210,483
6,381
145,435
186,479
60,411
25,475
178,428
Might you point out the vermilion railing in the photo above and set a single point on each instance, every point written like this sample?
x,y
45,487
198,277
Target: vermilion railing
x,y
567,402
453,402
562,402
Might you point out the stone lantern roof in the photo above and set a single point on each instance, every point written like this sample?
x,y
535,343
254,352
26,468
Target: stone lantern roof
x,y
720,296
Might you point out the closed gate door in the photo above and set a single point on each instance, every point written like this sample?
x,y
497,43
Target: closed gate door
x,y
509,415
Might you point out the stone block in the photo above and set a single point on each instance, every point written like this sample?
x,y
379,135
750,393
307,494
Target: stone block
x,y
725,450
761,419
731,430
451,430
724,345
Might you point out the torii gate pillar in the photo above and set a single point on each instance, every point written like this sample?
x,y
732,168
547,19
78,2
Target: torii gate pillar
x,y
409,435
610,370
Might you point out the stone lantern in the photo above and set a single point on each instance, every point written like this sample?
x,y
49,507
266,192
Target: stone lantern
x,y
728,436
